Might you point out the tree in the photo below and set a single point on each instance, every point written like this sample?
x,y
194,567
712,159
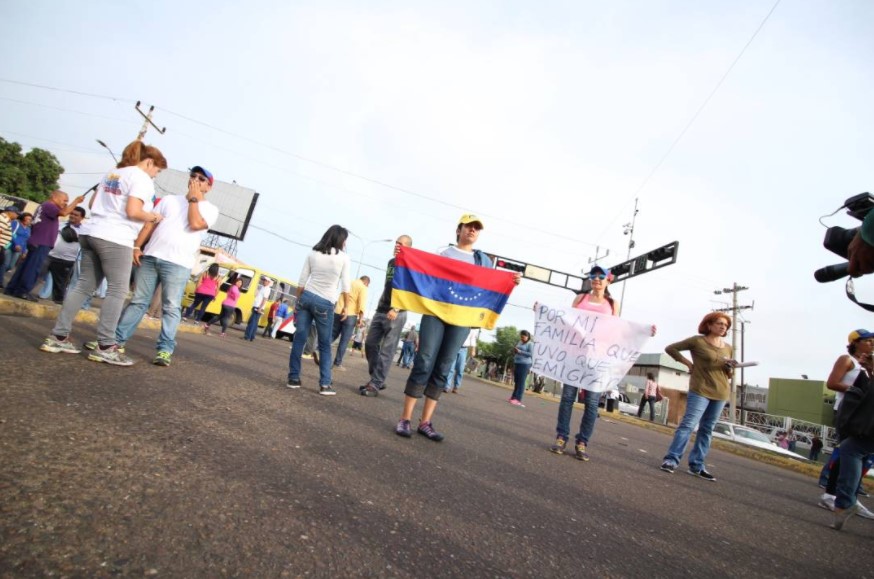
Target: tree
x,y
32,175
501,350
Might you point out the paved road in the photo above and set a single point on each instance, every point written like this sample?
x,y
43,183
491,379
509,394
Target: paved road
x,y
213,468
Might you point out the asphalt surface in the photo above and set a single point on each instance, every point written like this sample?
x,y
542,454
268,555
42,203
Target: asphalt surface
x,y
212,467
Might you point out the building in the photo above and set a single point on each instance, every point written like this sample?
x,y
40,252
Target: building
x,y
808,400
671,376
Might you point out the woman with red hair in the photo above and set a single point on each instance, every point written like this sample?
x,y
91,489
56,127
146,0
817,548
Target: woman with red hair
x,y
710,368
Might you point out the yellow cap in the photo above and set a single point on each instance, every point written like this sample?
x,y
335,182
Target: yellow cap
x,y
470,218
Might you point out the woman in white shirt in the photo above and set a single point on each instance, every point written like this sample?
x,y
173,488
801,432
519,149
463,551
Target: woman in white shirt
x,y
121,204
324,269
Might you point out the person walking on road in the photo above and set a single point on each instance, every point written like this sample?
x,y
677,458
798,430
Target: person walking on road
x,y
522,361
122,204
385,328
711,367
326,267
409,348
229,306
165,252
261,297
346,327
205,291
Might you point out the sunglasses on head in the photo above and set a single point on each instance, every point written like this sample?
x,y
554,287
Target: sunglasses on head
x,y
199,177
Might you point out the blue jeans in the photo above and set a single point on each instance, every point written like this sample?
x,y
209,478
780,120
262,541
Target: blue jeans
x,y
566,407
438,346
202,300
703,412
10,258
172,278
520,375
408,354
312,309
27,271
853,452
453,381
344,329
252,326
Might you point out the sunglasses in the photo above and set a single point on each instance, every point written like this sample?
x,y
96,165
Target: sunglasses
x,y
199,177
600,276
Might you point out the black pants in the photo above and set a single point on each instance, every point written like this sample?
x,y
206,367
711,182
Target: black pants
x,y
60,270
643,401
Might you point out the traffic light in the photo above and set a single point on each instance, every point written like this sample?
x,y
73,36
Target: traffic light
x,y
510,265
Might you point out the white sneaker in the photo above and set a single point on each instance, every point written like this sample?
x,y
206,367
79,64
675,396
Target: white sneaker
x,y
827,502
864,512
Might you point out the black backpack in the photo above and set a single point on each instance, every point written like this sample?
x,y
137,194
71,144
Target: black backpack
x,y
855,416
69,234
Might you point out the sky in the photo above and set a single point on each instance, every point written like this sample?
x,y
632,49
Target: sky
x,y
735,125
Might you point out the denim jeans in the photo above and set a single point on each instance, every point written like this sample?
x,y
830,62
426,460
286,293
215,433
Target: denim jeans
x,y
566,407
344,329
312,309
380,345
703,412
644,400
853,452
456,374
172,278
8,262
438,345
408,354
100,259
520,375
202,300
252,326
27,271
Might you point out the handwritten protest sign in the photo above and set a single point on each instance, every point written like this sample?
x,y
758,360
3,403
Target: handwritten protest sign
x,y
585,349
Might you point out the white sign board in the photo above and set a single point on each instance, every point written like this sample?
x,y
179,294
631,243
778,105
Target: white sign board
x,y
585,349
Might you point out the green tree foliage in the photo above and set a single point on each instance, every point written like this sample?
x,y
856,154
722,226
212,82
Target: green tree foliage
x,y
501,350
32,175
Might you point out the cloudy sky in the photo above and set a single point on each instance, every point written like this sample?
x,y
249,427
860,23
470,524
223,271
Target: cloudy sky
x,y
736,125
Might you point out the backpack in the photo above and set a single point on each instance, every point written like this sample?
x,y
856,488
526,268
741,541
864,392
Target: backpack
x,y
855,417
69,234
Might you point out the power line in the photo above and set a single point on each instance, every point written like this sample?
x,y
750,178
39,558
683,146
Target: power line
x,y
696,115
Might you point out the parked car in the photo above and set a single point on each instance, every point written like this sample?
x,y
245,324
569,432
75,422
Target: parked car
x,y
625,405
750,437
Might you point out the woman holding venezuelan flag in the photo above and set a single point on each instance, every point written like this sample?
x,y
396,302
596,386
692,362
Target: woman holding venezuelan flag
x,y
439,342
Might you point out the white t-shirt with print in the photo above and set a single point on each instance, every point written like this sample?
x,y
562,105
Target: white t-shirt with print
x,y
172,240
109,220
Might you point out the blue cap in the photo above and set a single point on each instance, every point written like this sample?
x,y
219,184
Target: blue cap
x,y
204,172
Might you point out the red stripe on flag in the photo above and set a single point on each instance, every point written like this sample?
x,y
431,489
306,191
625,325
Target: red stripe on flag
x,y
454,270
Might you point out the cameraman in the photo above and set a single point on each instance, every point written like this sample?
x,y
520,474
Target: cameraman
x,y
861,249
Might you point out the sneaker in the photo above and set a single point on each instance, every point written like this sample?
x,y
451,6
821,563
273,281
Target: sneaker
x,y
701,473
162,359
558,447
668,467
862,493
94,345
842,516
111,355
307,356
340,368
54,345
827,502
381,387
515,402
327,390
580,452
403,429
368,390
427,429
294,383
864,512
222,335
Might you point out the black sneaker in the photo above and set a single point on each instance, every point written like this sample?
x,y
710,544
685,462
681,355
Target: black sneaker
x,y
403,429
427,429
706,475
327,390
559,446
668,467
294,383
368,390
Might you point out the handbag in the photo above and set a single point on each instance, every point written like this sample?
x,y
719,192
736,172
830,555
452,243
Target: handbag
x,y
658,395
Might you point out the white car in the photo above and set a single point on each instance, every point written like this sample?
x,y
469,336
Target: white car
x,y
750,437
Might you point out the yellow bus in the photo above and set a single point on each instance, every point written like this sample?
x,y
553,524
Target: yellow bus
x,y
228,274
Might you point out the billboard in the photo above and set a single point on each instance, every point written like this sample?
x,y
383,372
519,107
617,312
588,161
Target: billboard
x,y
236,203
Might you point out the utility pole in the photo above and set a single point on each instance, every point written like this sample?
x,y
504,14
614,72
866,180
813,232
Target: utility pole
x,y
597,257
628,229
147,120
734,309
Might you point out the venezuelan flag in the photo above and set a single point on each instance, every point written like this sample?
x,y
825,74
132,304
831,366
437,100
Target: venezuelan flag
x,y
459,293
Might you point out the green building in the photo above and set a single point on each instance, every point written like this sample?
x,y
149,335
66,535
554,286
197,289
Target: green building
x,y
807,400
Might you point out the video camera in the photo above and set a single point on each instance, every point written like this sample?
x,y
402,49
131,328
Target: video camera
x,y
837,239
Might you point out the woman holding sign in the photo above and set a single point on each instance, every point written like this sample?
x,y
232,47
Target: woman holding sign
x,y
710,368
598,300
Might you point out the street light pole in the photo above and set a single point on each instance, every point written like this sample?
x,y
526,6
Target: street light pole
x,y
364,247
105,146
